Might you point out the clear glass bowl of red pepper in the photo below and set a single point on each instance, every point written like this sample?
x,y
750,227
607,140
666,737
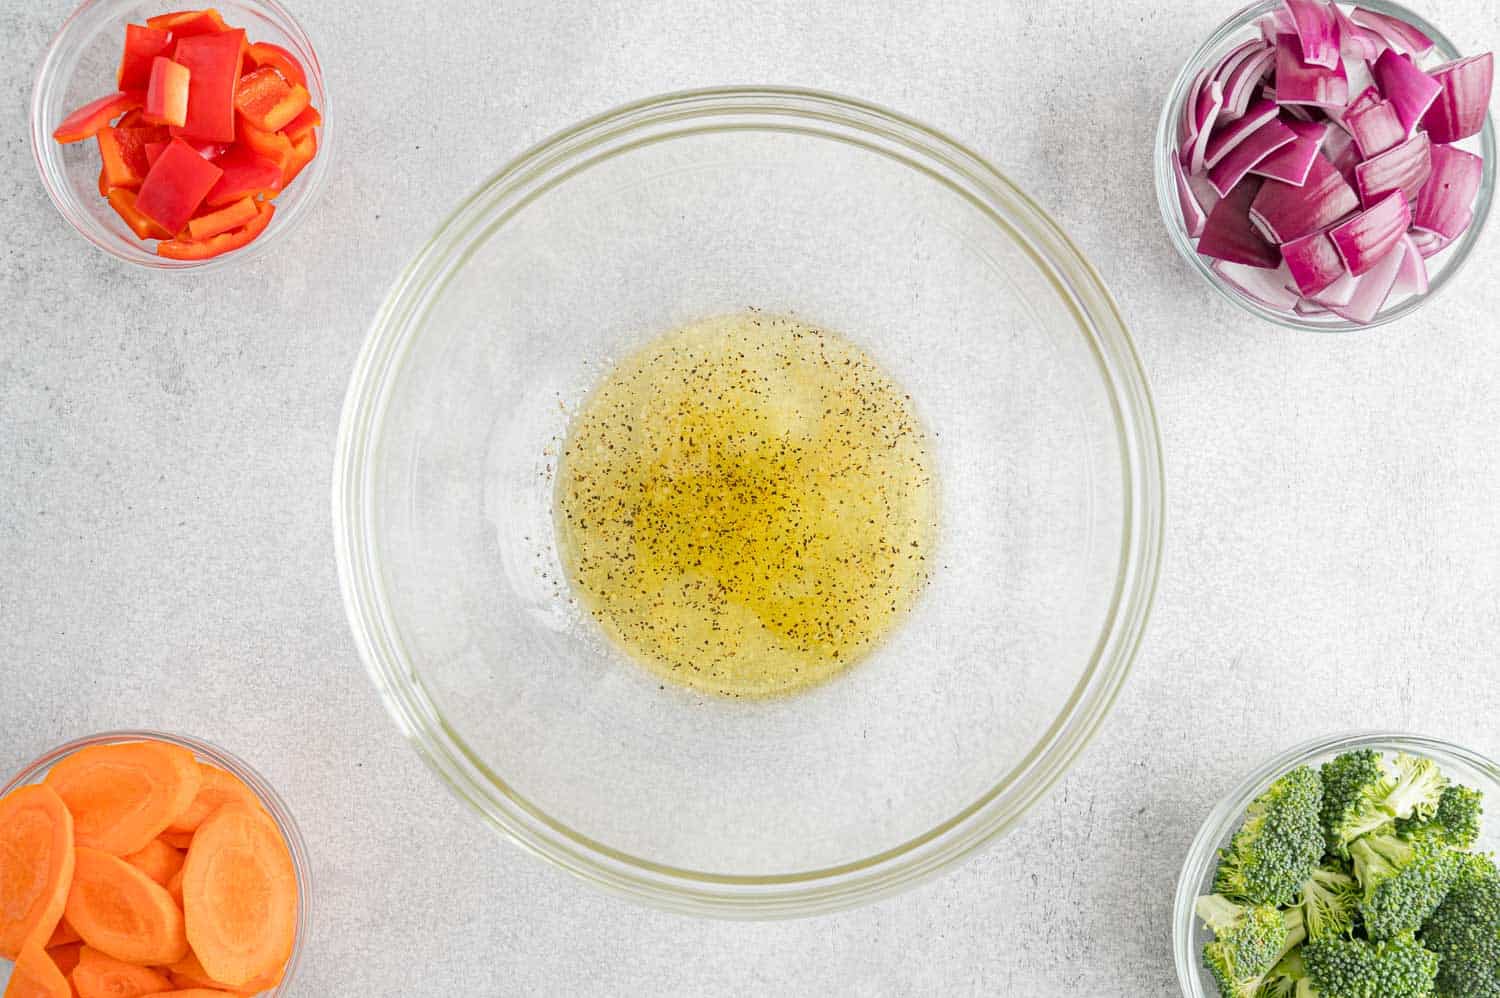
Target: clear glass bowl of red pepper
x,y
118,76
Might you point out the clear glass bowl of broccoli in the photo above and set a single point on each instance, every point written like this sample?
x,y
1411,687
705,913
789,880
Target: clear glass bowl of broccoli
x,y
1353,866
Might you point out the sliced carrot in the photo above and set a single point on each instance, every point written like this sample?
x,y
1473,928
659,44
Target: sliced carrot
x,y
239,892
189,973
36,976
158,861
177,840
174,887
100,976
66,956
120,911
191,993
36,866
218,787
124,795
63,934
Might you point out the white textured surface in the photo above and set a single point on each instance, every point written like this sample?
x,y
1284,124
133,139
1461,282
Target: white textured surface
x,y
166,446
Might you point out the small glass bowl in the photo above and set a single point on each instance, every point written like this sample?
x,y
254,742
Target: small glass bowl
x,y
1442,268
80,67
1188,933
36,770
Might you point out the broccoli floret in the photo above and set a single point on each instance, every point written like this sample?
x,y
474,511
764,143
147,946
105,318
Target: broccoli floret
x,y
1403,882
1368,793
1418,787
1330,900
1288,979
1277,848
1465,932
1351,968
1454,823
1249,940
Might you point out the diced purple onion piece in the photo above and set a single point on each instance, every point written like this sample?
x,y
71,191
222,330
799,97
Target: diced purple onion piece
x,y
1209,103
1313,262
1248,154
1407,87
1299,83
1225,138
1189,124
1240,85
1225,69
1291,163
1369,237
1356,42
1309,308
1429,244
1367,98
1316,131
1317,31
1278,22
1339,293
1228,234
1399,35
1459,109
1411,278
1284,212
1375,128
1404,168
1193,215
1268,287
1372,289
1445,204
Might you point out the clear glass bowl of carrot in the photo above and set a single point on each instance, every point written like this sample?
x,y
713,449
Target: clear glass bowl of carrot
x,y
80,66
160,827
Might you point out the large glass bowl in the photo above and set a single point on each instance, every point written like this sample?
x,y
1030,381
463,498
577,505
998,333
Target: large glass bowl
x,y
1443,267
1189,935
638,222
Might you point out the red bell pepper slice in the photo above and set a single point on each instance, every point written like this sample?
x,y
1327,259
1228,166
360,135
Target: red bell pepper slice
x,y
186,23
246,174
154,151
204,227
176,186
123,201
187,249
87,121
272,145
123,152
303,153
267,101
142,44
266,54
302,124
103,187
167,94
214,61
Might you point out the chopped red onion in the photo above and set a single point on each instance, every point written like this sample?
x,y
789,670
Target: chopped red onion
x,y
1269,287
1404,168
1429,244
1291,163
1285,212
1226,138
1313,262
1411,278
1316,131
1372,289
1194,150
1240,85
1356,42
1375,128
1278,22
1193,215
1317,30
1407,87
1460,107
1399,35
1248,154
1445,202
1367,238
1228,234
1299,83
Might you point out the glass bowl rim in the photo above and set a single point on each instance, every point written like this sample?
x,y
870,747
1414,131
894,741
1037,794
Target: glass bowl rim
x,y
1166,191
313,178
530,175
1230,810
224,759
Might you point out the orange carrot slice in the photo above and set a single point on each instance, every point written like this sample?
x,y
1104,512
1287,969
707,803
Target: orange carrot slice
x,y
191,993
158,861
66,956
124,795
177,840
101,976
36,976
216,788
123,913
36,867
63,934
189,973
239,892
174,887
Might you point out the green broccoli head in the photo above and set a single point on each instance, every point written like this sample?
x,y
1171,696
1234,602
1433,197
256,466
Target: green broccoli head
x,y
1248,940
1417,787
1403,882
1352,968
1465,932
1288,979
1330,900
1455,822
1354,786
1277,848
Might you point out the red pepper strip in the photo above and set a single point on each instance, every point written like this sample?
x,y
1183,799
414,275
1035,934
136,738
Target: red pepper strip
x,y
167,96
132,142
302,124
267,101
153,152
237,214
186,249
103,187
117,171
303,153
214,62
246,174
124,203
186,23
176,186
142,44
279,59
87,121
272,145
